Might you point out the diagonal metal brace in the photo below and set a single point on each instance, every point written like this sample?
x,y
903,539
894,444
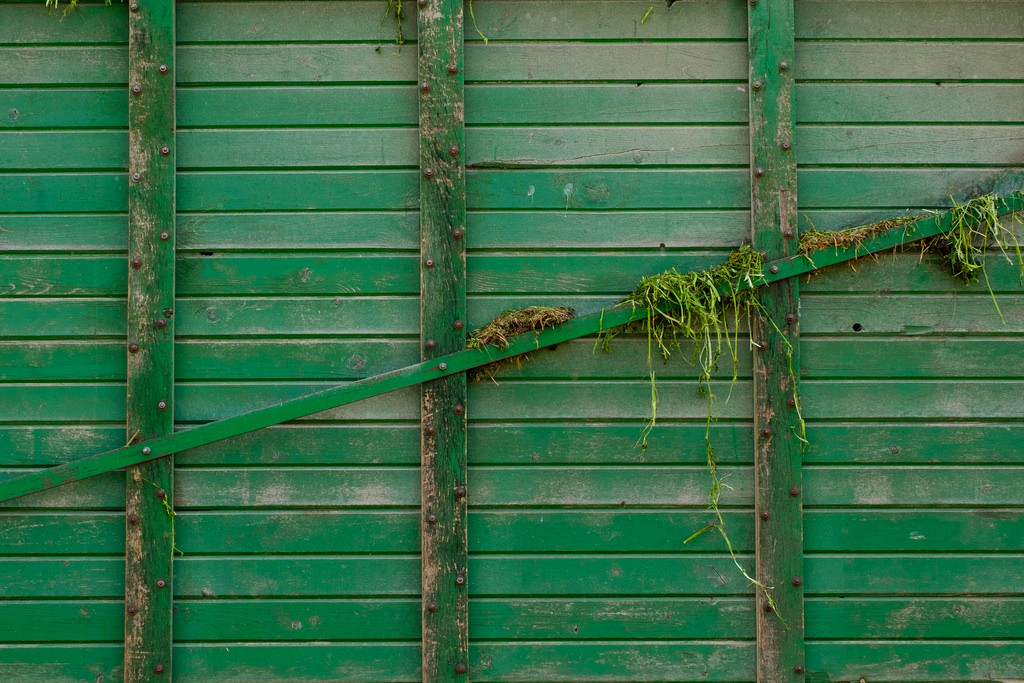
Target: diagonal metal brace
x,y
446,365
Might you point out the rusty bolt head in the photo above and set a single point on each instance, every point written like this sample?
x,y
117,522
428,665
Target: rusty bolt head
x,y
756,84
133,519
430,430
442,366
460,668
762,345
423,3
767,607
431,606
429,263
428,173
146,450
430,344
459,409
460,491
161,494
895,450
453,69
132,609
774,269
794,491
752,2
134,7
133,348
460,580
424,88
160,583
158,668
796,581
791,402
136,177
786,145
137,89
161,323
790,318
164,69
165,150
164,236
783,65
788,234
453,150
765,431
136,263
162,405
431,518
458,324
799,668
759,172
765,515
457,233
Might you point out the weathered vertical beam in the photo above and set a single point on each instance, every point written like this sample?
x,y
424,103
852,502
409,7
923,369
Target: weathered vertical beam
x,y
149,487
777,458
442,316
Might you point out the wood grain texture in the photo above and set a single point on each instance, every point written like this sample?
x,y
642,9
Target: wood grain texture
x,y
149,523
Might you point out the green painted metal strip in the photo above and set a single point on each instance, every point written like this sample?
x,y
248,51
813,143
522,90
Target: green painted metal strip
x,y
422,372
149,537
777,429
443,491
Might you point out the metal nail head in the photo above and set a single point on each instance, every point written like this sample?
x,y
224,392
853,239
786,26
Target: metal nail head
x,y
430,344
162,405
759,172
164,68
429,263
165,150
133,348
460,580
160,583
460,668
146,450
774,270
459,409
442,366
460,491
137,89
431,518
765,515
794,491
457,233
431,606
458,324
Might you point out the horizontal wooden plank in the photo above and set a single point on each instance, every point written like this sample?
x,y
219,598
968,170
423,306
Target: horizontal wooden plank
x,y
911,272
880,400
915,661
914,618
909,358
907,575
88,150
946,442
27,24
903,20
65,65
912,316
937,60
924,145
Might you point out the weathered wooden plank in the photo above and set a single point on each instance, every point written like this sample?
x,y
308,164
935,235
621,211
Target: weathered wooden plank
x,y
149,522
909,20
906,102
939,60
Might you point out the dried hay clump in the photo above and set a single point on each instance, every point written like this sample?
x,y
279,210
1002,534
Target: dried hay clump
x,y
518,321
815,240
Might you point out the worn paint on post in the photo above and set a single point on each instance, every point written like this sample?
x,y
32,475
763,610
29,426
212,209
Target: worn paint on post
x,y
150,352
442,322
777,430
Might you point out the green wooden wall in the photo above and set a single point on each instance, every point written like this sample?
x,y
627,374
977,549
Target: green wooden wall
x,y
603,143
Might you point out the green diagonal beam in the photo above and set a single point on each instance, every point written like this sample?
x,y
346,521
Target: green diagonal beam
x,y
444,366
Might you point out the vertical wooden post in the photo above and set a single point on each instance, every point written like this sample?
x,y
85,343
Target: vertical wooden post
x,y
442,323
777,458
149,487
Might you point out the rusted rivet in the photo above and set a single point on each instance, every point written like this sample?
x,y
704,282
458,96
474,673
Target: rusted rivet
x,y
895,450
786,145
783,65
791,402
424,88
430,344
133,348
790,318
765,431
460,668
164,236
146,450
442,366
774,270
767,607
133,519
796,581
799,668
162,405
165,150
136,263
132,609
453,150
765,515
161,323
762,345
422,3
459,409
460,580
431,606
164,69
453,69
458,324
158,668
431,518
759,172
136,177
788,234
457,233
428,172
794,491
460,491
753,2
137,89
429,263
430,430
160,583
756,84
134,7
161,494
